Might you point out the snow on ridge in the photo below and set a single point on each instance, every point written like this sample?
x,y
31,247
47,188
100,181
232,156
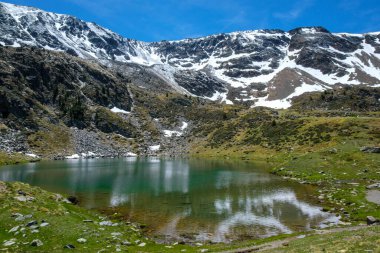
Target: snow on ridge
x,y
286,102
118,110
171,133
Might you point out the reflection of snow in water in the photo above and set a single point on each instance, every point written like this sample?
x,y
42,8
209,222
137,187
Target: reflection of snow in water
x,y
260,211
159,175
227,178
176,178
223,206
241,218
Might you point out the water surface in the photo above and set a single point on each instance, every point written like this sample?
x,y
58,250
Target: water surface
x,y
180,198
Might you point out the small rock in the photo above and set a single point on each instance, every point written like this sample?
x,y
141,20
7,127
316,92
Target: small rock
x,y
44,224
116,234
82,240
203,250
9,242
69,246
126,243
20,218
74,200
285,244
373,186
35,231
15,215
21,192
142,244
370,149
32,223
371,220
106,223
14,229
21,198
36,243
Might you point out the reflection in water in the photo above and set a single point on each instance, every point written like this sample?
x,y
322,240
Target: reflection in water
x,y
216,200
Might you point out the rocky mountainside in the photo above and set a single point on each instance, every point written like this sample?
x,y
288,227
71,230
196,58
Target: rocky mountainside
x,y
263,67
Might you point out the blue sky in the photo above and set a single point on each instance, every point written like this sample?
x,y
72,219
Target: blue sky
x,y
154,20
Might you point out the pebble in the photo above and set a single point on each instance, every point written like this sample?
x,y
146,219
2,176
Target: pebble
x,y
36,243
106,223
69,246
14,229
35,231
116,234
126,243
82,240
9,242
31,223
203,250
44,224
142,244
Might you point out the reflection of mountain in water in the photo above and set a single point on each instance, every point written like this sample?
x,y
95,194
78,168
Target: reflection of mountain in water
x,y
217,200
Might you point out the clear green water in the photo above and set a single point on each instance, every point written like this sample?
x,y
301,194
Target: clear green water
x,y
196,199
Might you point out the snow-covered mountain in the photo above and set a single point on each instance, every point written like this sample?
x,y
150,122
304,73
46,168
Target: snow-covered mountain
x,y
267,67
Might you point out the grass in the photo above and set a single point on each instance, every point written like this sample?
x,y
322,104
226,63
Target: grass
x,y
14,158
366,239
66,225
319,150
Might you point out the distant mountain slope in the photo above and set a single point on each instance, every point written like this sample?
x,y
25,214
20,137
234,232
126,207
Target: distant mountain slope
x,y
265,67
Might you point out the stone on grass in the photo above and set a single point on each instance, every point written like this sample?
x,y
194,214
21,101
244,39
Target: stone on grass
x,y
371,220
106,223
21,198
126,243
69,246
9,242
31,223
44,224
14,229
142,244
82,240
36,243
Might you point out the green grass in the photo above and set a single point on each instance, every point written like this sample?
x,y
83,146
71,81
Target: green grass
x,y
66,225
14,158
366,239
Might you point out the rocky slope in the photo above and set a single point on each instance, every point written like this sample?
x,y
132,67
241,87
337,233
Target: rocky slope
x,y
265,67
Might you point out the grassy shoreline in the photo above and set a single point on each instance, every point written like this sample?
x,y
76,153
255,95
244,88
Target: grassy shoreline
x,y
29,214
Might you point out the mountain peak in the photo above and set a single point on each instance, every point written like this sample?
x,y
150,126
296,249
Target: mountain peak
x,y
309,30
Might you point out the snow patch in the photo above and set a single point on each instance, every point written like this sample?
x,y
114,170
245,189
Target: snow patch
x,y
32,155
286,102
74,156
155,147
117,110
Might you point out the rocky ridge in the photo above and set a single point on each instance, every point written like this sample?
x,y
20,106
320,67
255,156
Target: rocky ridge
x,y
265,67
